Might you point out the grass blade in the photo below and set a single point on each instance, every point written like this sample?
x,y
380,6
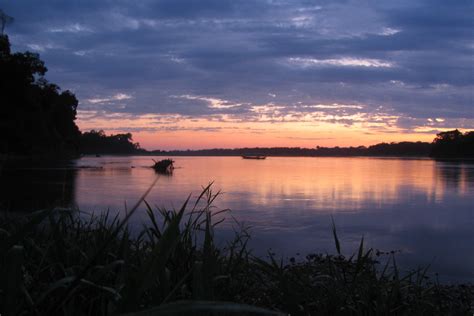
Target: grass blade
x,y
336,239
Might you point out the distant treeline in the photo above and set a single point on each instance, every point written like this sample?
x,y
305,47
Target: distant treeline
x,y
383,149
96,142
451,144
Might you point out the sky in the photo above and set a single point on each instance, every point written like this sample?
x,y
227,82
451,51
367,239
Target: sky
x,y
189,74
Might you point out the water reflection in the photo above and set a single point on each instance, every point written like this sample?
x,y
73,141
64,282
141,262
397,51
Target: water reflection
x,y
422,207
458,176
26,186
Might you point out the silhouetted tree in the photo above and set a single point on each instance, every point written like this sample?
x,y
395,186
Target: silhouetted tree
x,y
453,144
418,149
96,142
35,116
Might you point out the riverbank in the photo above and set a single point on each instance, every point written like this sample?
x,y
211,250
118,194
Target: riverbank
x,y
63,262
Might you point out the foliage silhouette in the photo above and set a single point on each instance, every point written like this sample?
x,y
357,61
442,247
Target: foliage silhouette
x,y
453,144
402,149
36,117
96,142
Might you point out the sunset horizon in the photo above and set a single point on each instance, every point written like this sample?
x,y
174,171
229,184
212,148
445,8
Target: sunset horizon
x,y
231,74
177,141
217,157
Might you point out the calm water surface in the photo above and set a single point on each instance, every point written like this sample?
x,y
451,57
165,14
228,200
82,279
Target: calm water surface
x,y
422,207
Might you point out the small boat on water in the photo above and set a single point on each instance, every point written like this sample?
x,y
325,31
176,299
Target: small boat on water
x,y
253,157
163,166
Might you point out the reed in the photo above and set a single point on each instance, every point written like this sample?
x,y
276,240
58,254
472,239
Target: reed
x,y
62,262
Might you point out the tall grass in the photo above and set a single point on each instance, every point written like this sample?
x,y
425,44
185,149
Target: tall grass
x,y
58,262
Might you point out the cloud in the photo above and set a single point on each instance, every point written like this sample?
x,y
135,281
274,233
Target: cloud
x,y
213,103
116,97
333,61
346,61
71,28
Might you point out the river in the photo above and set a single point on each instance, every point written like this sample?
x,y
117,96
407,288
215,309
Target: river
x,y
420,207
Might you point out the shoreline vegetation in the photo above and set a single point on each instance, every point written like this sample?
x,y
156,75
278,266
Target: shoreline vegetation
x,y
446,145
65,262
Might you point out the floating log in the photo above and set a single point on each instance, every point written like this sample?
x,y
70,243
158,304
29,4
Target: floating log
x,y
163,166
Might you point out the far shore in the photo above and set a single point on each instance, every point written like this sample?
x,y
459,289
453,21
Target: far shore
x,y
49,157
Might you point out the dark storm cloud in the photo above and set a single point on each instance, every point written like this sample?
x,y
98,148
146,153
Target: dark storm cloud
x,y
415,60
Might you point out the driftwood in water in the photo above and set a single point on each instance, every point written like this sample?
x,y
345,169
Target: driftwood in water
x,y
163,166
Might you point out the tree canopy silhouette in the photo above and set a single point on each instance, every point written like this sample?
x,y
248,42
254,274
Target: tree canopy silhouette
x,y
402,149
453,144
96,142
36,117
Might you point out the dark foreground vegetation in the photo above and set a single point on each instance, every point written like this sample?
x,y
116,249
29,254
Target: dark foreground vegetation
x,y
58,262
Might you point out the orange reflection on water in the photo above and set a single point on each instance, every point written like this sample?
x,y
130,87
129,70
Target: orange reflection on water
x,y
422,207
324,183
319,184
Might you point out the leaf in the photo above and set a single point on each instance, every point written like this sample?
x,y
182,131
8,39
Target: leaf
x,y
35,219
155,263
99,252
334,233
66,281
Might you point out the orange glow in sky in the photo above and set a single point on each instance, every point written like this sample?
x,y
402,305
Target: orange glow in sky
x,y
174,132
